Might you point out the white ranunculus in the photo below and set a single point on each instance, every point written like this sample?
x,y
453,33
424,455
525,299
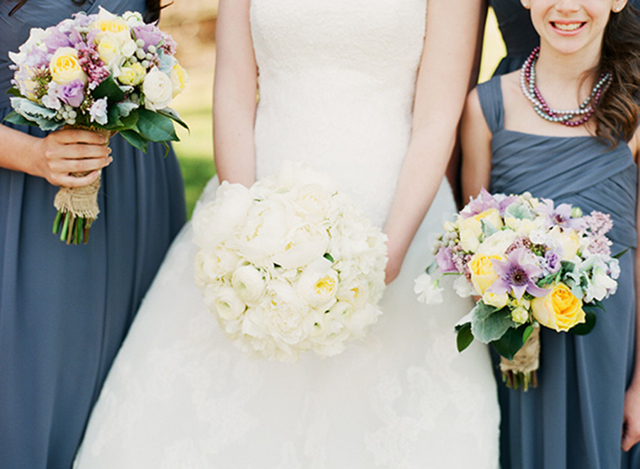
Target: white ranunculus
x,y
318,284
157,88
249,283
226,302
218,262
302,245
428,290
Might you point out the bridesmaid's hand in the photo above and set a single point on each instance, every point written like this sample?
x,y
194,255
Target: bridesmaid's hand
x,y
69,151
631,423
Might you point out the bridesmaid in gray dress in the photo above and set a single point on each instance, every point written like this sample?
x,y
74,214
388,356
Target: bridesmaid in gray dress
x,y
574,419
64,310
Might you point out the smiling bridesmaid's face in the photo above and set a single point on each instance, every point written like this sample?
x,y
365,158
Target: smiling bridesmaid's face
x,y
569,26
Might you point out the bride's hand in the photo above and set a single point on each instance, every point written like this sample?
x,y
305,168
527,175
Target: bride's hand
x,y
394,262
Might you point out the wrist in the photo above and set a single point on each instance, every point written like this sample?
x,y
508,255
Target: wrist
x,y
33,163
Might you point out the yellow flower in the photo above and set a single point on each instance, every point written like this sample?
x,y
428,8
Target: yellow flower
x,y
482,273
179,78
559,310
497,300
111,25
132,75
108,49
65,67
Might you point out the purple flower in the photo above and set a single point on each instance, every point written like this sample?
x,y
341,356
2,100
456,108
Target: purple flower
x,y
444,259
149,33
552,261
72,93
516,275
56,40
559,216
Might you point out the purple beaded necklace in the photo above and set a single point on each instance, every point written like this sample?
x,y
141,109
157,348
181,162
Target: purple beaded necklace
x,y
571,118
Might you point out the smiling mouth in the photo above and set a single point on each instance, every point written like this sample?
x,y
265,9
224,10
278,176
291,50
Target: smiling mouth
x,y
568,26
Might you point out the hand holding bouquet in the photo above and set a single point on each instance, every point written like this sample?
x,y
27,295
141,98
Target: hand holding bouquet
x,y
532,264
99,72
289,265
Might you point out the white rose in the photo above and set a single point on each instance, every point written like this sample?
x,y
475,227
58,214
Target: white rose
x,y
249,283
318,284
428,291
157,89
302,245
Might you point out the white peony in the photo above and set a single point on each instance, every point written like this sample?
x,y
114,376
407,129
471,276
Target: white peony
x,y
497,243
157,88
302,245
318,284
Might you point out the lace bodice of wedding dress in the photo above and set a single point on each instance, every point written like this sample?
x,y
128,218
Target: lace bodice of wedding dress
x,y
336,84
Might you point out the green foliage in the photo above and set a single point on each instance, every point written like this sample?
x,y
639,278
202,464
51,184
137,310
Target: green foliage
x,y
511,342
589,324
155,127
109,89
488,323
464,337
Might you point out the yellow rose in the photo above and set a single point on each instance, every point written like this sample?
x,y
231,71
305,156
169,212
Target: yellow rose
x,y
492,216
111,25
559,310
482,273
497,300
108,49
132,75
179,78
65,67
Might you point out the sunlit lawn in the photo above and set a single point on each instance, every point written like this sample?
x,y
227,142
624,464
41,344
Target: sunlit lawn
x,y
195,151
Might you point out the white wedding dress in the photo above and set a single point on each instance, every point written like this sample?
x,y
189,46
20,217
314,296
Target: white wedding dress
x,y
336,82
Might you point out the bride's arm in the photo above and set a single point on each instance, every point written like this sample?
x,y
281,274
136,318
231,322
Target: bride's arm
x,y
234,94
443,80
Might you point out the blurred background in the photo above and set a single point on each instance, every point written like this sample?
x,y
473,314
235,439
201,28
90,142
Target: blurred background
x,y
192,23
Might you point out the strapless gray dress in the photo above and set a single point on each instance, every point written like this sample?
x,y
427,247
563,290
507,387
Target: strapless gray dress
x,y
64,310
573,419
519,36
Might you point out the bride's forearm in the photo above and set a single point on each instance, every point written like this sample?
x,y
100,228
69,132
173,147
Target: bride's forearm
x,y
234,94
441,89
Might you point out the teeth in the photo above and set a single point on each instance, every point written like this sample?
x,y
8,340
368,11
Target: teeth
x,y
567,26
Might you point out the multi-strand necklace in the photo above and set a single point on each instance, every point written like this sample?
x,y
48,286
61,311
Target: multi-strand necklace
x,y
570,118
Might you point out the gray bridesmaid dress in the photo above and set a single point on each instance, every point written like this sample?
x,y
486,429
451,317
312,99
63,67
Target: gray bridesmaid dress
x,y
573,419
64,310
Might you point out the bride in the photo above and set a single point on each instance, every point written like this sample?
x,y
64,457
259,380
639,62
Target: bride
x,y
353,88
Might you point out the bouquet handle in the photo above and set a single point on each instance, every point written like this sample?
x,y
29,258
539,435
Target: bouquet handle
x,y
77,206
522,370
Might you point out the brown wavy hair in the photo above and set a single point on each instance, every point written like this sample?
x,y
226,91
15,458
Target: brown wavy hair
x,y
153,8
617,111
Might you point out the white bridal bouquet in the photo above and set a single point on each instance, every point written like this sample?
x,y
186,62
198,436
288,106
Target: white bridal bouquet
x,y
289,265
532,264
101,72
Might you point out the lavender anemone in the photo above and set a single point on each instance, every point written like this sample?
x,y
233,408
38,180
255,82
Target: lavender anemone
x,y
517,275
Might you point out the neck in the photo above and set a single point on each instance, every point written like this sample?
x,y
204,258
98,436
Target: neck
x,y
565,71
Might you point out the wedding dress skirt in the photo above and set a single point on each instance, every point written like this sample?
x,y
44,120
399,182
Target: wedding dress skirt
x,y
337,80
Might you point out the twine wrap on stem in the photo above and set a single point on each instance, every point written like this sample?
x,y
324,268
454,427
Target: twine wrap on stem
x,y
521,371
77,206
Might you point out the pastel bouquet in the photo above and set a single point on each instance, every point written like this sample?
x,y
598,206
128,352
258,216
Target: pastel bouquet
x,y
531,264
289,265
100,72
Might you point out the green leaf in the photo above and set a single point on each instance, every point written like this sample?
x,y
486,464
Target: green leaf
x,y
14,118
587,326
14,91
135,139
328,257
465,337
487,228
527,333
509,344
488,323
620,254
155,127
109,89
174,116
